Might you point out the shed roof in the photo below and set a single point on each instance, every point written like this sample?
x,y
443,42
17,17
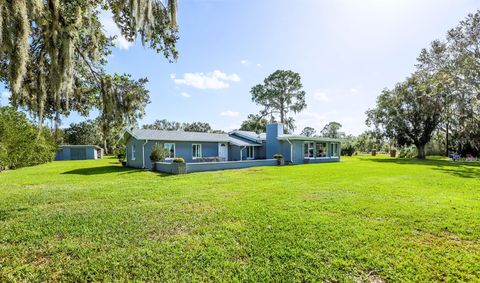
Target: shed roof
x,y
80,146
145,134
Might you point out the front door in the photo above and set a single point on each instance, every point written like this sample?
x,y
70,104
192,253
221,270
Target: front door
x,y
223,151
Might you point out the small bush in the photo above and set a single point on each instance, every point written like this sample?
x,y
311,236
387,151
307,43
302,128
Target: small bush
x,y
158,153
121,154
348,149
408,152
178,160
278,156
22,143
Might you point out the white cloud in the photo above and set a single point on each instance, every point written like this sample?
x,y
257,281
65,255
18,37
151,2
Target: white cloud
x,y
229,113
259,65
353,90
186,95
213,80
112,29
312,119
321,96
244,62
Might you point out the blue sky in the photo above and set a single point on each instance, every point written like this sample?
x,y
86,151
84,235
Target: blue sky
x,y
346,52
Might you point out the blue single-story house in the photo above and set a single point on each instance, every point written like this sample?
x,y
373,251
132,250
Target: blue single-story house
x,y
79,152
237,146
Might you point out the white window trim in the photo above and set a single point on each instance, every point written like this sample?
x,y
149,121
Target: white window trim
x,y
308,148
325,145
174,150
200,150
134,152
253,152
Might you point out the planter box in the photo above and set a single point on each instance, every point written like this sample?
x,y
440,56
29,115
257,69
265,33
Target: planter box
x,y
179,168
393,153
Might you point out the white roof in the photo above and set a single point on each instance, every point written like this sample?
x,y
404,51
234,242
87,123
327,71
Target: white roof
x,y
305,138
145,134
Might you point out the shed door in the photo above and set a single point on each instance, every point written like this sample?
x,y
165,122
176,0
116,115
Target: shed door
x,y
78,153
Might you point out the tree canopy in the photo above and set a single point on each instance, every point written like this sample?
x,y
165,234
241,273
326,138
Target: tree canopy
x,y
53,53
332,130
254,123
20,144
308,131
281,93
442,94
86,132
165,125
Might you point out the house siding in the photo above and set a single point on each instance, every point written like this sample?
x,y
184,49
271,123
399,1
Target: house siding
x,y
234,153
137,162
272,143
182,150
292,150
262,151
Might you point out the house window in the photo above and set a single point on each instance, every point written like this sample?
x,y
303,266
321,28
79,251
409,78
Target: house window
x,y
321,148
171,149
335,150
250,152
196,150
134,149
308,149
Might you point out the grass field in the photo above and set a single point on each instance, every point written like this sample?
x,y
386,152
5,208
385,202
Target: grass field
x,y
363,219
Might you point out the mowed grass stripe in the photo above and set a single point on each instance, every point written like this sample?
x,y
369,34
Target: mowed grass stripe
x,y
357,220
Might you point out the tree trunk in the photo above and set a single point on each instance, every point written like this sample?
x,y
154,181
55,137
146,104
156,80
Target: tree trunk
x,y
105,146
421,151
446,142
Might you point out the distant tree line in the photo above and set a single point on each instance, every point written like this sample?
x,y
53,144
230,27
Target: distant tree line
x,y
165,125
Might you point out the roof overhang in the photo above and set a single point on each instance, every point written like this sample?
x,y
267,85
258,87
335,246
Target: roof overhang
x,y
305,138
256,139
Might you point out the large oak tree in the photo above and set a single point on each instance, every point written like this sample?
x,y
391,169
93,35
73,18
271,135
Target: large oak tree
x,y
410,112
53,53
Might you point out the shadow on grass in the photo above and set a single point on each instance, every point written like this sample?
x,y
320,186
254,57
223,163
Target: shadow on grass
x,y
458,169
109,170
461,171
102,170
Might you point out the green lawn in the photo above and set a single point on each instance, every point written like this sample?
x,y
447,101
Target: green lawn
x,y
363,219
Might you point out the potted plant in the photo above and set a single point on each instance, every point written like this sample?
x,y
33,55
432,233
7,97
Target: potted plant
x,y
179,166
158,154
280,159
